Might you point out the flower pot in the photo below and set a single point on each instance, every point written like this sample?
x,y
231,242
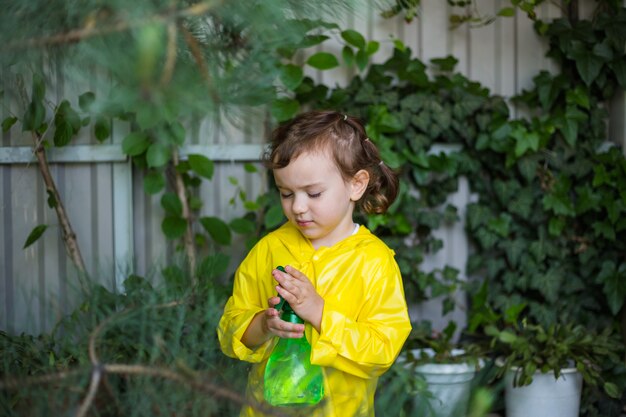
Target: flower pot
x,y
546,396
449,385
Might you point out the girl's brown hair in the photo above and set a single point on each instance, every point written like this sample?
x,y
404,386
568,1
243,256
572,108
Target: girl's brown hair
x,y
345,138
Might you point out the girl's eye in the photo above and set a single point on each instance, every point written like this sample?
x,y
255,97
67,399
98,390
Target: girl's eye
x,y
315,195
285,195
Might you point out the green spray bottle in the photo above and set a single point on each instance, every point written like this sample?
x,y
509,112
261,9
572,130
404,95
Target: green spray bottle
x,y
290,379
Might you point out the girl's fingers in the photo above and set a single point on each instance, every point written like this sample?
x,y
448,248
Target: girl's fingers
x,y
272,301
295,273
288,330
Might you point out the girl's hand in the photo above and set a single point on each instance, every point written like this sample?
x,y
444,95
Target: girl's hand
x,y
267,324
272,323
299,292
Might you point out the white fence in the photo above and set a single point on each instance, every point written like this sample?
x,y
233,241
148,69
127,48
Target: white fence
x,y
118,225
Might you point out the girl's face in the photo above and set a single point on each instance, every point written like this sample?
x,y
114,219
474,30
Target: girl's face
x,y
317,200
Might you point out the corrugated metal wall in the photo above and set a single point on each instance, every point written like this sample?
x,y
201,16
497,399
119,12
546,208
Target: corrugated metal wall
x,y
118,225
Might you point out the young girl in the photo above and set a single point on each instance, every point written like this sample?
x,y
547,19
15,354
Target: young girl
x,y
339,278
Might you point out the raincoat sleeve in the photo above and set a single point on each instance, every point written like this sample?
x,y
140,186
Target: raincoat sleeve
x,y
247,300
366,346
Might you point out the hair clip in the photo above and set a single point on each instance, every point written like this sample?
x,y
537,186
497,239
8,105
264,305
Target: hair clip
x,y
345,117
381,163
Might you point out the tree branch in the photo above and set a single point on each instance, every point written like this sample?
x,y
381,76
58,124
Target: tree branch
x,y
196,52
96,375
87,32
69,237
188,243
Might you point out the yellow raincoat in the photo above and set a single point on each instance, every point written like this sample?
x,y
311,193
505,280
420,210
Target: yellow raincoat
x,y
364,323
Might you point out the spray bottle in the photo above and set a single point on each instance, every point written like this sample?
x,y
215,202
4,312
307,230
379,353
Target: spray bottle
x,y
290,379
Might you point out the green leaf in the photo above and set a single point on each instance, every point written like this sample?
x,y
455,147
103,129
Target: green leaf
x,y
506,336
242,226
66,112
251,205
362,59
195,203
102,129
34,116
601,176
559,204
512,313
604,229
614,290
354,38
148,116
63,133
34,235
202,165
274,217
39,88
500,225
506,12
248,167
525,141
158,155
291,76
399,45
603,50
348,55
312,40
86,100
569,129
153,182
284,109
587,63
556,226
514,250
549,283
176,133
173,227
8,123
612,390
135,143
372,47
527,167
445,64
578,96
52,201
619,69
323,61
217,229
172,204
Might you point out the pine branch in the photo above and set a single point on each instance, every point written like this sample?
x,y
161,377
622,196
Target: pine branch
x,y
90,31
99,371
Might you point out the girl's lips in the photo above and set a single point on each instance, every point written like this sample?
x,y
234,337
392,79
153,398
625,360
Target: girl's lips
x,y
304,223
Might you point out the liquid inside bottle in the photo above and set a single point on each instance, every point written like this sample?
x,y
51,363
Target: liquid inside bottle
x,y
290,379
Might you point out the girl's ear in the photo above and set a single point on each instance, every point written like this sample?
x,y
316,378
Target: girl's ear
x,y
359,184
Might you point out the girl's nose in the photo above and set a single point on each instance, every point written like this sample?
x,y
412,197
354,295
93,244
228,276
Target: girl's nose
x,y
299,204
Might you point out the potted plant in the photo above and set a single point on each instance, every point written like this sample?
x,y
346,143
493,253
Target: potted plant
x,y
544,366
446,366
